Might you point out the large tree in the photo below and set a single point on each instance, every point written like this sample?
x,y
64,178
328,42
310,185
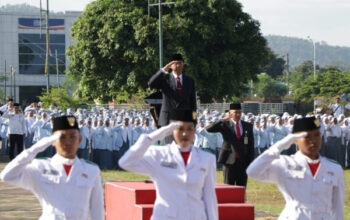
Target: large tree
x,y
328,84
267,87
275,65
116,47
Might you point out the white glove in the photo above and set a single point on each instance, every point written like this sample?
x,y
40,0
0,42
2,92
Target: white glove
x,y
163,132
44,143
286,142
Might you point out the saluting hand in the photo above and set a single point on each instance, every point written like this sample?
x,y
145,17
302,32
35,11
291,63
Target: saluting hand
x,y
286,142
226,118
163,132
167,67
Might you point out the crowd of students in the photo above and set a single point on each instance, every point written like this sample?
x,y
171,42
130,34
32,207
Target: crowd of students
x,y
108,134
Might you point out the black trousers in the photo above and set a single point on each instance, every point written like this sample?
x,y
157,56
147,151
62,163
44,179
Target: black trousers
x,y
235,174
15,140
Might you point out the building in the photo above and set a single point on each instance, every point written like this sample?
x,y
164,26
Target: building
x,y
23,47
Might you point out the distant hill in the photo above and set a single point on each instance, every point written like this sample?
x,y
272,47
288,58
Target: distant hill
x,y
301,50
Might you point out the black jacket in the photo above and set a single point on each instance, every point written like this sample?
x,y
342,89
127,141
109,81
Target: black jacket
x,y
171,99
231,145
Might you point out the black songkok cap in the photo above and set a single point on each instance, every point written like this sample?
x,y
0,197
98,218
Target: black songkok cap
x,y
10,99
177,56
65,123
306,124
235,106
16,104
183,115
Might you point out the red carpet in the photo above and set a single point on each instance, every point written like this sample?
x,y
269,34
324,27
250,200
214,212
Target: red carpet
x,y
134,201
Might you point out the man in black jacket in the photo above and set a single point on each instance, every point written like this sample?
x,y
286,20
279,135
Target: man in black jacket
x,y
178,90
237,150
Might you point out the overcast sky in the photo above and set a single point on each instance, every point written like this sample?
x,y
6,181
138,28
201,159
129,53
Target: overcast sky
x,y
322,20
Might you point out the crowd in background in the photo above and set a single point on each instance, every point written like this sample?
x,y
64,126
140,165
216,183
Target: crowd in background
x,y
108,134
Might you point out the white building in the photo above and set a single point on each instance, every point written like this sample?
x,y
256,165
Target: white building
x,y
23,47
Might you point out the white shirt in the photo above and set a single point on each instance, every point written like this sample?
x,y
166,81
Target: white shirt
x,y
335,131
183,192
240,126
16,123
175,78
62,197
307,197
338,109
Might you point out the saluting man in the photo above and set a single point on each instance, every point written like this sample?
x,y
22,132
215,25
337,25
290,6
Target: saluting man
x,y
67,187
237,150
184,175
312,186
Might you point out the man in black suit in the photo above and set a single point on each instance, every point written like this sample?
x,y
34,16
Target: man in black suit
x,y
237,150
178,90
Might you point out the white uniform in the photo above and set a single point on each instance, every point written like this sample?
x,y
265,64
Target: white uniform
x,y
307,197
76,197
183,192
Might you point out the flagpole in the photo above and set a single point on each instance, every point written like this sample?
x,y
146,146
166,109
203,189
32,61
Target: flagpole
x,y
47,63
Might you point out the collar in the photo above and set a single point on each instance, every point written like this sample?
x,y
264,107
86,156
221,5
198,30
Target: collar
x,y
239,122
175,76
184,149
309,160
64,160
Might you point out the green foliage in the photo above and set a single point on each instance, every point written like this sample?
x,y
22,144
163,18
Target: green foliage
x,y
275,65
116,48
137,98
60,98
306,68
328,84
267,87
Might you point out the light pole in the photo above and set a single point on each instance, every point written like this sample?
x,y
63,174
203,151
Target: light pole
x,y
159,5
314,44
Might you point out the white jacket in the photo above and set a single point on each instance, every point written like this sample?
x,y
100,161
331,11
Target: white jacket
x,y
183,192
76,197
307,198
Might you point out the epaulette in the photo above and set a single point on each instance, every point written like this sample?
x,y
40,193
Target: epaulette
x,y
90,162
42,158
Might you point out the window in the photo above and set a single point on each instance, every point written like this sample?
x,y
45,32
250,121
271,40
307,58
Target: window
x,y
32,53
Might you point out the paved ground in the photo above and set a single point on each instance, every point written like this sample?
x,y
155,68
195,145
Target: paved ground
x,y
19,204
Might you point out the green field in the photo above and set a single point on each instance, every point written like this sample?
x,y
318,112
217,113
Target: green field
x,y
264,196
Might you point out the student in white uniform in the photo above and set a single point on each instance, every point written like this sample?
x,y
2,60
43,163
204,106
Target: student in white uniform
x,y
312,186
67,187
184,175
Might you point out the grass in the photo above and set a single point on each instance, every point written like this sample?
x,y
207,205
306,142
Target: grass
x,y
264,196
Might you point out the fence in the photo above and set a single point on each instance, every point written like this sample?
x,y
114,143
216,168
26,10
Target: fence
x,y
249,106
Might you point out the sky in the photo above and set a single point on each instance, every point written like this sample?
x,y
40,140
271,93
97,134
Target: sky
x,y
322,20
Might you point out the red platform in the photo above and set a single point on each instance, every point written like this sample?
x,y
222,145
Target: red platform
x,y
134,201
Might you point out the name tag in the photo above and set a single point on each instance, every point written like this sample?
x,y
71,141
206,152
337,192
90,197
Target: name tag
x,y
246,138
171,165
50,172
297,168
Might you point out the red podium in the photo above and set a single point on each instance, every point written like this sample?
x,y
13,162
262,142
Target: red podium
x,y
134,201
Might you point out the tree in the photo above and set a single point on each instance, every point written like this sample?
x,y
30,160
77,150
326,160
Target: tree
x,y
275,65
116,48
328,85
306,68
60,98
267,87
